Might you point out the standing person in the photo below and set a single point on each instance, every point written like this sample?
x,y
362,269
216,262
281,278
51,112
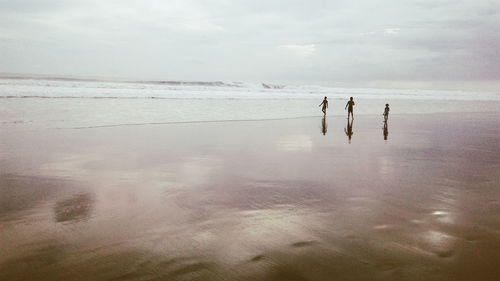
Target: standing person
x,y
386,112
349,107
324,103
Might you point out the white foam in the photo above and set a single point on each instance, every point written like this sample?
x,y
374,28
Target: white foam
x,y
40,88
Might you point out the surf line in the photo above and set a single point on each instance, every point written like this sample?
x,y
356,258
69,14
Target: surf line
x,y
184,122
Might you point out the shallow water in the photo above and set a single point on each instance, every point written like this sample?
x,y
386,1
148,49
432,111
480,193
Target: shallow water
x,y
259,200
36,113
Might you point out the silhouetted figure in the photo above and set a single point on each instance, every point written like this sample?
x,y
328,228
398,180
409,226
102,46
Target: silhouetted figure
x,y
386,112
386,130
349,107
324,103
348,131
324,125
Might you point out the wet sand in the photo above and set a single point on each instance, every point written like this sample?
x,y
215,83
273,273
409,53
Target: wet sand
x,y
258,200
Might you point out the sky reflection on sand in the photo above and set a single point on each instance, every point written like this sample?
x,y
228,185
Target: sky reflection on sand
x,y
295,143
225,201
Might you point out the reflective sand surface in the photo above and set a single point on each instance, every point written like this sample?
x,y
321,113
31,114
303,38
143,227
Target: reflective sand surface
x,y
260,200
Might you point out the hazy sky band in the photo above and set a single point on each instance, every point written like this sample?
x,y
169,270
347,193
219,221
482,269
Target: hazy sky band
x,y
293,41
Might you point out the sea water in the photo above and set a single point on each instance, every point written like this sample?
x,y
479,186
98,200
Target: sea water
x,y
73,103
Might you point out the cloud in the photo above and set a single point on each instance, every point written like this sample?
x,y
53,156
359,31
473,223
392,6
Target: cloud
x,y
391,30
299,50
288,40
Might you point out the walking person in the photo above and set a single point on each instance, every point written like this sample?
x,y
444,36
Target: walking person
x,y
324,103
349,107
386,112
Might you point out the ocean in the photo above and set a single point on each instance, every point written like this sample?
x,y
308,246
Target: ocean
x,y
78,103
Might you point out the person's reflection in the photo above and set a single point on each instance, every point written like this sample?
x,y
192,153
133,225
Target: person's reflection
x,y
348,131
324,125
386,130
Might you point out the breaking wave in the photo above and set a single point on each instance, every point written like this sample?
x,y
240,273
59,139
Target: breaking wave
x,y
72,88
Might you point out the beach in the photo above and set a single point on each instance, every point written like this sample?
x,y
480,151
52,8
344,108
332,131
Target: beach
x,y
278,199
249,140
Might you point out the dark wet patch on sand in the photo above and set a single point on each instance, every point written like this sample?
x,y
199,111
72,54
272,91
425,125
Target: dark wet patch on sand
x,y
303,244
20,193
76,208
388,265
257,258
445,254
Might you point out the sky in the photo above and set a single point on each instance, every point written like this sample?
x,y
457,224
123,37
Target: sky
x,y
421,43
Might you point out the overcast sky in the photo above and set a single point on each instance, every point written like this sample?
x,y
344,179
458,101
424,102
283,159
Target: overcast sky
x,y
254,40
